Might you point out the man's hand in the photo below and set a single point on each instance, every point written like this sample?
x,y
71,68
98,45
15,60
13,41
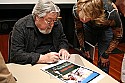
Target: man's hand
x,y
64,54
51,57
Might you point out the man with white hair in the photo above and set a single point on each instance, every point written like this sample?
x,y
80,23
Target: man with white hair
x,y
39,37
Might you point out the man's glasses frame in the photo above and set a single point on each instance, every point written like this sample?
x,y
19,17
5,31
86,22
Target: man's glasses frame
x,y
50,22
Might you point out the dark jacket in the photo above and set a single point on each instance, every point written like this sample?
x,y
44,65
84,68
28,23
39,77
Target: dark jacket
x,y
24,40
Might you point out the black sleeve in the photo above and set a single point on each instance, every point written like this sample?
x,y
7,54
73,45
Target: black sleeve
x,y
18,53
78,27
63,42
114,16
117,29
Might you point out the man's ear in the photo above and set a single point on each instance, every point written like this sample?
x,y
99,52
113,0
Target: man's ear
x,y
36,18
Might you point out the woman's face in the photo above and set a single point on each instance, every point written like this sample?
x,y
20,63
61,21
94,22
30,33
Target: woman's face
x,y
82,16
85,20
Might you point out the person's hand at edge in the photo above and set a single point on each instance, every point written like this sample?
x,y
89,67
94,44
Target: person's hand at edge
x,y
64,54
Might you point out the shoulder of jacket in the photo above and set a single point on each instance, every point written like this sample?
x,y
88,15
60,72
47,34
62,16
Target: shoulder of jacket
x,y
107,4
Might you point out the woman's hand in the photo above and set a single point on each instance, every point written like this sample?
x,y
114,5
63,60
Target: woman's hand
x,y
87,54
104,62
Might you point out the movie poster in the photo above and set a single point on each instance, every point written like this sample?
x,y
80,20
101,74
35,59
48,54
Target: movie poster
x,y
70,72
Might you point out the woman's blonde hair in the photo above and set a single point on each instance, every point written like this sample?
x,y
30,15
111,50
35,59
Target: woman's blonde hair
x,y
92,9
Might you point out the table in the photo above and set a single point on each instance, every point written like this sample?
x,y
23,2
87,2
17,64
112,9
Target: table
x,y
34,74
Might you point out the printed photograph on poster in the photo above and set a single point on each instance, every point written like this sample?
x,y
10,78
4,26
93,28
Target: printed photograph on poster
x,y
70,72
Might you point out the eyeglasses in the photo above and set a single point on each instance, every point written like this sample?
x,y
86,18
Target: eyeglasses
x,y
50,21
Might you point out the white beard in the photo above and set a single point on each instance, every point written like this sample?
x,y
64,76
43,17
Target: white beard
x,y
46,31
